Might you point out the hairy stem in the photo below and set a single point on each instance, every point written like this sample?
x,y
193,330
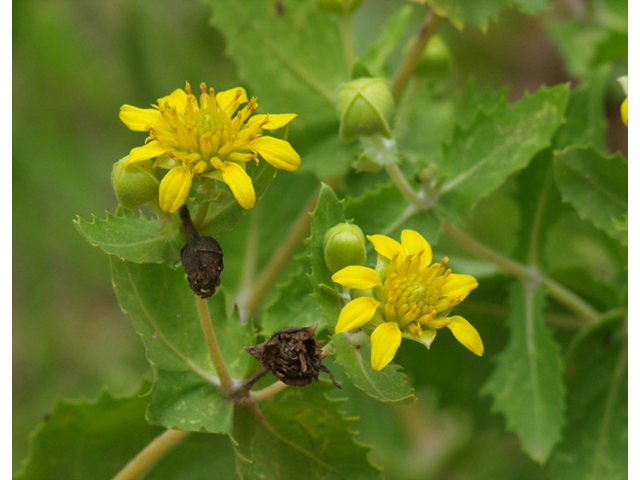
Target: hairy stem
x,y
403,185
226,382
346,35
151,454
411,60
526,274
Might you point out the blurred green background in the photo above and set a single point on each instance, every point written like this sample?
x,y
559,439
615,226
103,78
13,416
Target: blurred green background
x,y
74,64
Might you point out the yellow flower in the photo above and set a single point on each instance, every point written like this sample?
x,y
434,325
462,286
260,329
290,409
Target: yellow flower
x,y
212,139
624,112
410,297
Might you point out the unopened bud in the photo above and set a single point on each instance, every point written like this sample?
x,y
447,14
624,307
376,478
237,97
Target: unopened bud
x,y
344,245
293,355
435,62
134,184
365,107
339,7
201,258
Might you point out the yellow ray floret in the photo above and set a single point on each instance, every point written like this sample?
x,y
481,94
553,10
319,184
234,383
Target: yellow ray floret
x,y
213,137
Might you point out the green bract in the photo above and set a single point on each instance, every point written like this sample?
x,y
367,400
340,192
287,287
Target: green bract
x,y
135,184
365,107
344,245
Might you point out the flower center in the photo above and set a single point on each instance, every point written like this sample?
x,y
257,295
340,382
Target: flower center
x,y
412,293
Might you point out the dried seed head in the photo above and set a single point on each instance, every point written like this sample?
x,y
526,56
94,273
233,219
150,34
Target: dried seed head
x,y
201,258
293,355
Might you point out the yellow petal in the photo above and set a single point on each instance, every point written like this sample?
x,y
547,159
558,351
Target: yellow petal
x,y
458,285
177,99
466,334
278,153
385,341
385,246
239,183
356,313
227,97
624,112
274,121
174,188
137,119
355,276
150,150
413,243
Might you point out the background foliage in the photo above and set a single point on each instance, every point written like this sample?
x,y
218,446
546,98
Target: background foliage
x,y
76,62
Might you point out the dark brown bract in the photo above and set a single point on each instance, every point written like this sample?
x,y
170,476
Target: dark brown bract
x,y
293,355
201,258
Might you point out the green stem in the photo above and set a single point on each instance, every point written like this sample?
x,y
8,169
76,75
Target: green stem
x,y
226,382
251,299
526,274
411,60
346,34
151,454
201,214
403,185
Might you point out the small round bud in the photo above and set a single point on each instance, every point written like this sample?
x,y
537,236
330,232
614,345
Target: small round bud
x,y
134,184
435,62
344,245
339,7
365,108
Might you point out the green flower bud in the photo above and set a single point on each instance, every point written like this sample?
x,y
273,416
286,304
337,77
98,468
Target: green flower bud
x,y
365,108
435,62
344,245
340,7
134,184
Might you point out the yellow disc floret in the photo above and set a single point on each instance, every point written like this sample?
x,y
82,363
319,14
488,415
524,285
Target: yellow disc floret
x,y
211,138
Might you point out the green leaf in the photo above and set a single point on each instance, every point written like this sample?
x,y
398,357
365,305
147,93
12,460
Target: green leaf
x,y
527,384
290,55
461,12
388,385
595,442
224,216
129,237
97,438
162,308
322,144
302,435
540,204
329,212
385,211
585,122
596,186
577,41
481,158
294,305
377,55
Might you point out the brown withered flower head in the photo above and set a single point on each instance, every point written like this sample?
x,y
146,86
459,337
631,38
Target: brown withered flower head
x,y
293,355
201,258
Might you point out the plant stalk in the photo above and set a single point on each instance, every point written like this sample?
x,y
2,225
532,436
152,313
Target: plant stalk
x,y
405,188
346,35
251,299
411,60
526,274
151,454
226,382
